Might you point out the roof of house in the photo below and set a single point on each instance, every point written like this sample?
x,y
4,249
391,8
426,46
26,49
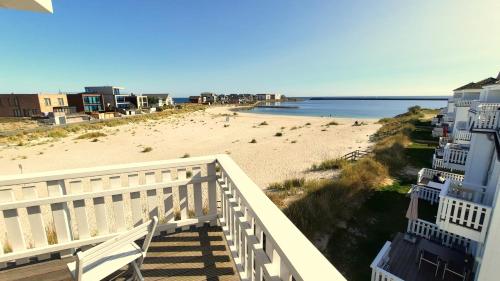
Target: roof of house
x,y
158,95
478,85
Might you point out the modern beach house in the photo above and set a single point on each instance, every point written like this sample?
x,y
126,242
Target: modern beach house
x,y
462,243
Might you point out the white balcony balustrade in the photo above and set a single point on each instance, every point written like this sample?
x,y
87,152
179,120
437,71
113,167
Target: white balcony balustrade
x,y
427,230
58,212
426,176
463,102
426,193
464,211
462,136
380,265
453,158
486,120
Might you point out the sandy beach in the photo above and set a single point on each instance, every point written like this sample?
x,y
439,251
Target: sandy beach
x,y
270,159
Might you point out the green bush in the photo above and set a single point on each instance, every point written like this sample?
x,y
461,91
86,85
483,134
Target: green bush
x,y
91,135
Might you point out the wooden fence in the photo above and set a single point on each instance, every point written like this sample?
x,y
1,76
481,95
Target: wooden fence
x,y
355,155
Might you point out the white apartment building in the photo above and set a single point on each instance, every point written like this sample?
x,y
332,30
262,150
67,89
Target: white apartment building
x,y
463,242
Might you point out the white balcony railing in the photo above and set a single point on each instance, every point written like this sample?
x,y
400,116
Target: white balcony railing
x,y
429,174
58,212
455,156
443,141
462,136
486,120
452,158
438,163
484,106
380,265
461,213
463,102
427,230
426,193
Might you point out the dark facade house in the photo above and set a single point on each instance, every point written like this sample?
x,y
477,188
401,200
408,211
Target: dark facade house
x,y
195,99
87,102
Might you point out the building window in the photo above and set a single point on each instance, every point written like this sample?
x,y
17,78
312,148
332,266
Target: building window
x,y
264,241
1,102
60,101
47,101
16,101
116,91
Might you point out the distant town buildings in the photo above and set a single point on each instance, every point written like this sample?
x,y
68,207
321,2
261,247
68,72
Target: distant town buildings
x,y
211,98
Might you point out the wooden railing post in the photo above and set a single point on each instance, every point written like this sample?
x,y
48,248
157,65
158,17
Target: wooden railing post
x,y
36,220
212,192
15,236
60,213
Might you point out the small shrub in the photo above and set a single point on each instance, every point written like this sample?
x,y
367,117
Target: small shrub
x,y
263,123
189,174
253,141
226,125
95,140
293,128
51,234
147,149
332,123
294,141
91,135
278,134
186,155
278,199
57,133
330,164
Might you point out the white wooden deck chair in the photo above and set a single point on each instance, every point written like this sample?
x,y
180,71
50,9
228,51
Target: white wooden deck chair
x,y
108,257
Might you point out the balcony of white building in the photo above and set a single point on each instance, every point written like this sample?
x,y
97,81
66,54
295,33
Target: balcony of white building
x,y
215,223
424,252
430,182
451,157
464,209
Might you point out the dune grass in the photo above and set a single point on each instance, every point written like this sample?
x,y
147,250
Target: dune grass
x,y
147,149
329,164
61,132
91,135
364,206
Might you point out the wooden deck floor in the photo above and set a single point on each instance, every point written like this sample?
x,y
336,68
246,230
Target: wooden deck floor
x,y
403,263
194,255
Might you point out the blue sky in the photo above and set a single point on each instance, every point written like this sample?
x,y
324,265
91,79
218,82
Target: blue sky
x,y
296,47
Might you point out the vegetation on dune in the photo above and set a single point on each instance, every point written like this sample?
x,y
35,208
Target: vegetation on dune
x,y
91,135
364,205
60,132
147,149
278,134
329,164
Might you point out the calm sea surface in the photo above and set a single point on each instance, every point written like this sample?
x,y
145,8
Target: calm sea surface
x,y
349,108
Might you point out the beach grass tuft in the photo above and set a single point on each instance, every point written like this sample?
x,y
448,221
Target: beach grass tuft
x,y
91,135
147,149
